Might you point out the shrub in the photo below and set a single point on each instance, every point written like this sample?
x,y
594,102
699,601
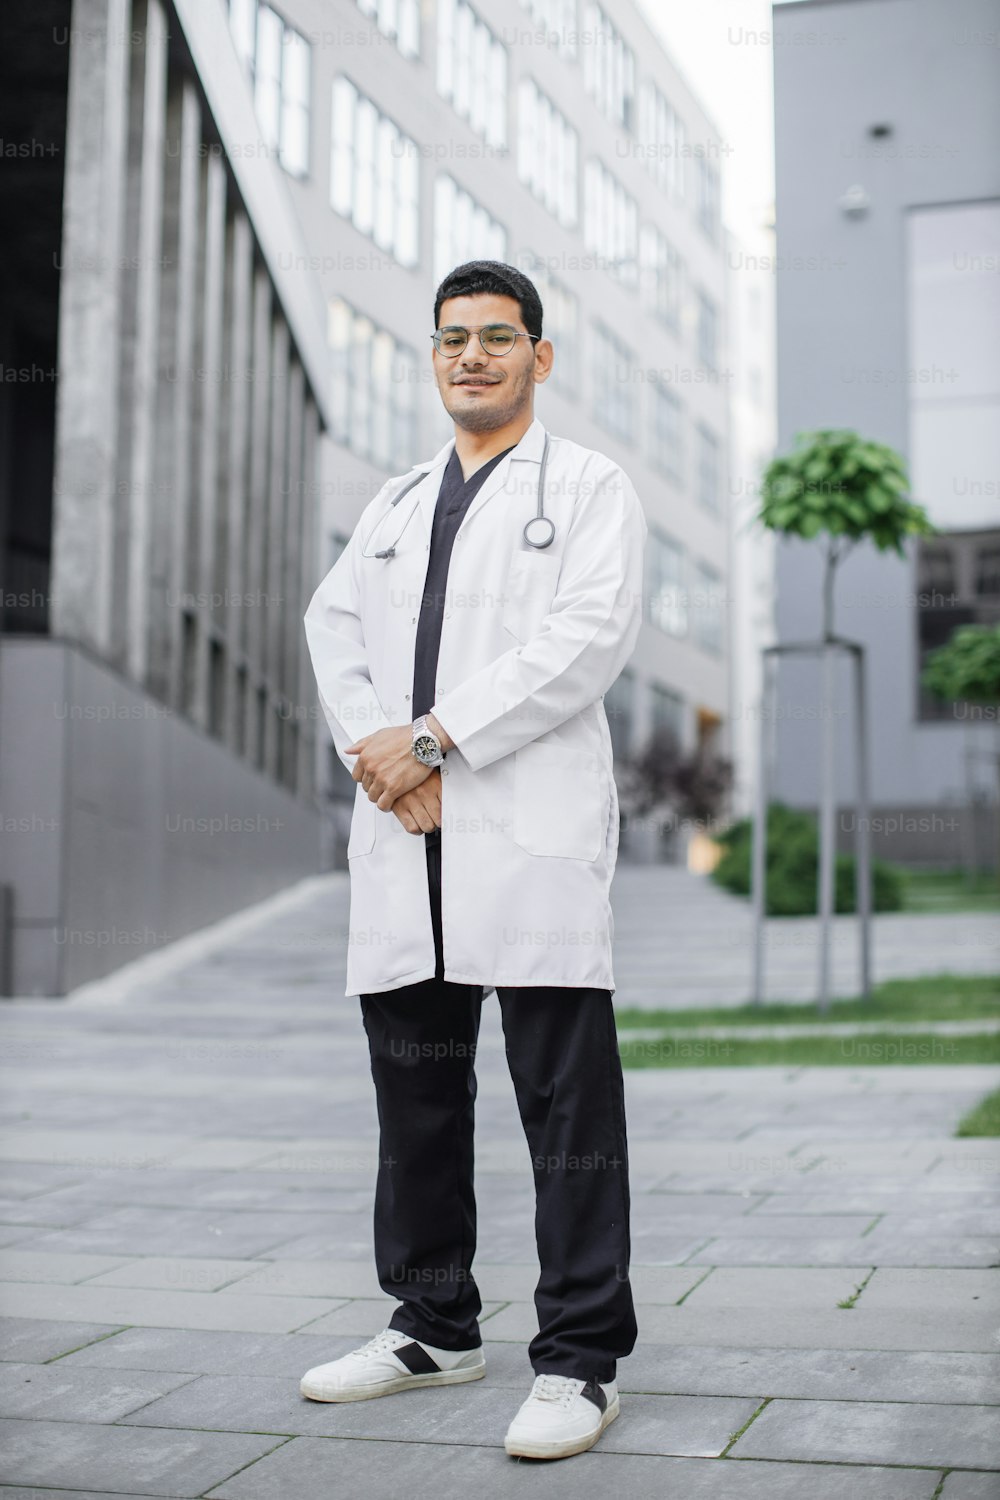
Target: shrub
x,y
793,867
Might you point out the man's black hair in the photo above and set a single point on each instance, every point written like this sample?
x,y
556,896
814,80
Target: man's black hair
x,y
494,276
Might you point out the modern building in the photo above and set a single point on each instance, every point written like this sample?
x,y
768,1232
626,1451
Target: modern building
x,y
561,138
888,240
164,384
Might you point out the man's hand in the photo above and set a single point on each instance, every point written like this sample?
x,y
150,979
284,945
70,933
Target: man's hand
x,y
386,765
419,810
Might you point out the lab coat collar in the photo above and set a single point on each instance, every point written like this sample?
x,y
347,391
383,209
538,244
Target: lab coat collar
x,y
529,450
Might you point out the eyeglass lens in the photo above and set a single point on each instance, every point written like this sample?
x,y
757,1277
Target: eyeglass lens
x,y
496,338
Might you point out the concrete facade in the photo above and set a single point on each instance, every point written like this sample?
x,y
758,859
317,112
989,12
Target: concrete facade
x,y
170,534
888,232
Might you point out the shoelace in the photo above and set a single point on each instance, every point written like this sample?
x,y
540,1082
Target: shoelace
x,y
558,1388
387,1339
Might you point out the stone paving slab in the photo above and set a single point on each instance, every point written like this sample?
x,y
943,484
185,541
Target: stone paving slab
x,y
749,1327
874,1432
179,1273
950,1290
316,1466
713,1370
160,1308
696,1426
883,1250
362,1317
128,1459
35,1265
36,1339
971,1487
68,1394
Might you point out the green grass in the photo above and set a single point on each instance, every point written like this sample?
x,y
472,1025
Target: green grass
x,y
938,997
984,1119
871,1049
949,891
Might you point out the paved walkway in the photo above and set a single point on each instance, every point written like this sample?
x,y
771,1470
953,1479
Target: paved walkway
x,y
187,1170
683,941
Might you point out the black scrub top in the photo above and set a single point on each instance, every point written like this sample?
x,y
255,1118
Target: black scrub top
x,y
454,498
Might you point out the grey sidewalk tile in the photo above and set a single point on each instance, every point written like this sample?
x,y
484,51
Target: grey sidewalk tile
x,y
971,1487
125,1459
39,1492
873,1250
475,1413
789,1328
210,1352
67,1394
178,1273
363,1316
376,1470
792,1288
165,1309
49,1211
61,1268
834,1374
144,1230
37,1339
874,1432
958,1290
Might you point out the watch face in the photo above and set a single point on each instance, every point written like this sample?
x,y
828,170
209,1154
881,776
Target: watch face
x,y
425,748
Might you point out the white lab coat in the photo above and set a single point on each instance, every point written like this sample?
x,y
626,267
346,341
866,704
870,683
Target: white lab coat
x,y
531,640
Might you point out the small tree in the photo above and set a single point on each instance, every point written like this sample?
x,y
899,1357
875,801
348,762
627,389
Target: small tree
x,y
846,489
837,484
966,669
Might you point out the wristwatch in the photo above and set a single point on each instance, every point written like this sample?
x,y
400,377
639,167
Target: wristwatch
x,y
426,745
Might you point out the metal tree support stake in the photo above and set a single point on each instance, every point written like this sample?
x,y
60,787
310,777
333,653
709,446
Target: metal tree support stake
x,y
826,650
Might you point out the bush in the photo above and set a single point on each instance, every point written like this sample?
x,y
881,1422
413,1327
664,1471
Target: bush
x,y
793,866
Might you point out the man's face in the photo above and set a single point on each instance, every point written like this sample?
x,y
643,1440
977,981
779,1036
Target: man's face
x,y
482,391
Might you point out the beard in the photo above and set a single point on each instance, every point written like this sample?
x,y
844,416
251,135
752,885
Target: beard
x,y
477,417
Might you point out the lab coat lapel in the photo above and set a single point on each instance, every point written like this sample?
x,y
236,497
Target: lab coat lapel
x,y
528,449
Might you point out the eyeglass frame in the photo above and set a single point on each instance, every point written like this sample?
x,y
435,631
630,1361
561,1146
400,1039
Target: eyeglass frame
x,y
479,331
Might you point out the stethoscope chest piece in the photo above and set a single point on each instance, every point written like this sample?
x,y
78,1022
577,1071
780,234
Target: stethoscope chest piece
x,y
539,531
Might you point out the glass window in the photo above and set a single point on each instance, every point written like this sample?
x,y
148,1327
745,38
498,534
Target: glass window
x,y
561,324
399,20
707,332
665,597
463,230
558,19
707,608
666,711
267,75
708,469
472,70
374,382
667,447
613,384
707,207
665,149
295,104
611,223
608,67
373,173
547,153
619,703
661,275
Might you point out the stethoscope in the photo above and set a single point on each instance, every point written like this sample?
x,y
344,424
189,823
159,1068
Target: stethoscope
x,y
539,531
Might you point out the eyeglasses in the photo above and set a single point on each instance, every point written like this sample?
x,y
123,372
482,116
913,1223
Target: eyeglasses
x,y
496,338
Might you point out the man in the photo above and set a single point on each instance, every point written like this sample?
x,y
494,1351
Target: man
x,y
462,647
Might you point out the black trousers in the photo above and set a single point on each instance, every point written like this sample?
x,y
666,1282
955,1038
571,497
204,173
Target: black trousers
x,y
562,1051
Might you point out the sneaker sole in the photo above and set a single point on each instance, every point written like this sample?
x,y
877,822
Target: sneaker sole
x,y
389,1387
528,1449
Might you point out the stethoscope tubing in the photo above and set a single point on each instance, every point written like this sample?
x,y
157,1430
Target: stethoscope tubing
x,y
540,525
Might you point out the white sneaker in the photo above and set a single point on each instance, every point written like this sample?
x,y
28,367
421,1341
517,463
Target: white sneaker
x,y
561,1417
391,1361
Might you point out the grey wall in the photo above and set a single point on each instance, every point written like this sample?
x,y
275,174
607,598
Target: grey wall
x,y
124,826
928,70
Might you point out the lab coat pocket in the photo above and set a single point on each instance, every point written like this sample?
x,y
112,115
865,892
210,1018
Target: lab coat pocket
x,y
362,839
529,591
559,802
